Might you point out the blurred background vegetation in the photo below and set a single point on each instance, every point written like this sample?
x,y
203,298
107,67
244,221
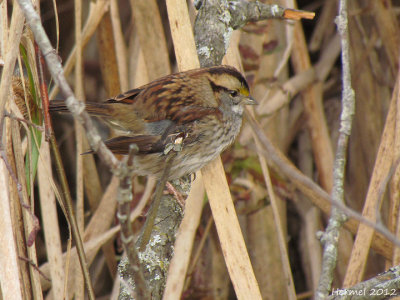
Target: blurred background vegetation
x,y
304,126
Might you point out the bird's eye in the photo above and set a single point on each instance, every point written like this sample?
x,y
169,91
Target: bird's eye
x,y
233,93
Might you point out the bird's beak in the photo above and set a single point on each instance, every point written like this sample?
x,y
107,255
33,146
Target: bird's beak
x,y
250,101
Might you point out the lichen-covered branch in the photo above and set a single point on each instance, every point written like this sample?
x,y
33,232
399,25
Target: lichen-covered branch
x,y
330,238
217,19
158,252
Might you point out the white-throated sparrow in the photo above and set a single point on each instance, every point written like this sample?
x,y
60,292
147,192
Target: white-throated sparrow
x,y
204,107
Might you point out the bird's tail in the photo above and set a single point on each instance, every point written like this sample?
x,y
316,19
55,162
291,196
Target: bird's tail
x,y
58,105
95,109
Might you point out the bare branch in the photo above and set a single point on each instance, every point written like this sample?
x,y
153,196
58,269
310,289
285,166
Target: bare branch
x,y
330,238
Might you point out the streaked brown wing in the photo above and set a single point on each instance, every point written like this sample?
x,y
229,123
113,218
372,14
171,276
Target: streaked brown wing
x,y
146,144
168,98
126,98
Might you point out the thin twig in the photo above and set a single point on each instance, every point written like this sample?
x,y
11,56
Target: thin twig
x,y
213,28
124,199
33,224
70,215
32,263
15,30
67,199
27,207
306,185
44,93
330,238
27,122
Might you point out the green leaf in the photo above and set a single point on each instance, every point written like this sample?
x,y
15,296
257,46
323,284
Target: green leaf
x,y
31,159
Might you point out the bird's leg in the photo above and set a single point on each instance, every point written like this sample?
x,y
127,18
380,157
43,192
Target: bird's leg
x,y
175,145
173,191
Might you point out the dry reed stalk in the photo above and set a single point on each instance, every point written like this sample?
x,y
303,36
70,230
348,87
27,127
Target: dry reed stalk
x,y
310,247
79,288
151,37
120,47
50,222
370,113
96,13
372,101
137,68
16,208
10,277
108,56
178,267
111,78
91,248
98,225
15,275
321,143
98,231
286,272
394,216
312,101
279,97
13,40
27,204
384,160
87,174
324,26
217,189
387,24
315,193
267,227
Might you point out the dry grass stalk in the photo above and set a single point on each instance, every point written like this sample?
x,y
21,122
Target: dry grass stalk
x,y
358,259
217,189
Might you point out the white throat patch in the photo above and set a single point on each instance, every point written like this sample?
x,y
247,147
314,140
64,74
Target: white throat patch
x,y
237,109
